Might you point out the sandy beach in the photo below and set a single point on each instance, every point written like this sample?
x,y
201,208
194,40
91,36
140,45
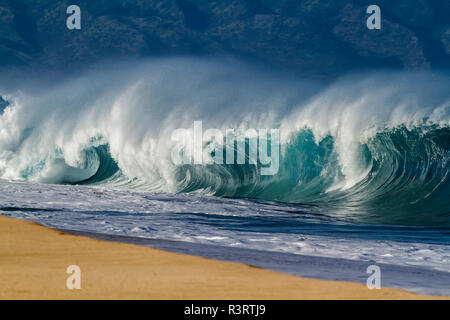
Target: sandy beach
x,y
34,259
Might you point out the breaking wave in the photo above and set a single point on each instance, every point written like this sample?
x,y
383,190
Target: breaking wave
x,y
370,148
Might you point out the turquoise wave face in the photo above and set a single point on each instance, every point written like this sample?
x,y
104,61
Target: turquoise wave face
x,y
406,177
107,167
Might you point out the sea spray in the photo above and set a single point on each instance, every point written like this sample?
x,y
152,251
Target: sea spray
x,y
373,143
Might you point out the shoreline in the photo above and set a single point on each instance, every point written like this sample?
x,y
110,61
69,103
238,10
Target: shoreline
x,y
416,279
34,259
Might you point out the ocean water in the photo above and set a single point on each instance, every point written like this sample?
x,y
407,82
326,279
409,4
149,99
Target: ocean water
x,y
363,170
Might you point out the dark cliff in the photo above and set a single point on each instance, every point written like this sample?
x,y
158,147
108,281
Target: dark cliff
x,y
311,37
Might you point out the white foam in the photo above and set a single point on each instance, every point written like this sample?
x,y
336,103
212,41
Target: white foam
x,y
136,106
175,217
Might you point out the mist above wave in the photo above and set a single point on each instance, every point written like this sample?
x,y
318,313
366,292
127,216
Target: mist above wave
x,y
346,140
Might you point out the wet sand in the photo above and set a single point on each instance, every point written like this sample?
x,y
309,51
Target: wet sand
x,y
34,260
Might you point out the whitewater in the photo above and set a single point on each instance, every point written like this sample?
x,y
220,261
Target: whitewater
x,y
363,172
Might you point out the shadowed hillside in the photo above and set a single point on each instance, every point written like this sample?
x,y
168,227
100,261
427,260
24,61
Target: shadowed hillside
x,y
321,38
